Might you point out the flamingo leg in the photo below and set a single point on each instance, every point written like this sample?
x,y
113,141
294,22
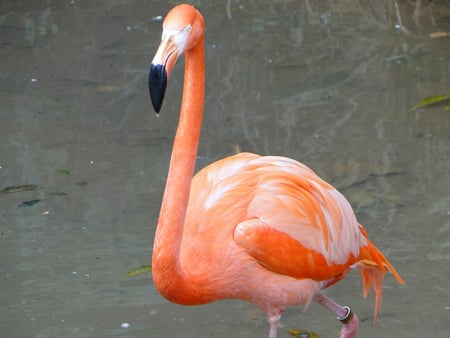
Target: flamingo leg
x,y
273,321
348,319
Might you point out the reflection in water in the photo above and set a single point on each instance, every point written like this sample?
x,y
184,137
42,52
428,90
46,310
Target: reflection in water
x,y
327,83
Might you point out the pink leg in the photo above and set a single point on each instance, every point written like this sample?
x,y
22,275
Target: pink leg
x,y
273,321
344,314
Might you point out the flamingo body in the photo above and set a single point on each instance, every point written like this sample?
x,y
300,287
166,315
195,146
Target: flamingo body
x,y
265,229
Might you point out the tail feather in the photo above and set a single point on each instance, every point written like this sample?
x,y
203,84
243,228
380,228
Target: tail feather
x,y
373,280
372,268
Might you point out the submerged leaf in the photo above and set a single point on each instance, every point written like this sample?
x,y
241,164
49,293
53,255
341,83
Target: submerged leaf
x,y
138,271
431,100
63,171
108,89
302,333
439,34
18,188
58,193
28,203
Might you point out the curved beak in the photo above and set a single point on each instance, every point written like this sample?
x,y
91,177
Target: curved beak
x,y
160,70
157,81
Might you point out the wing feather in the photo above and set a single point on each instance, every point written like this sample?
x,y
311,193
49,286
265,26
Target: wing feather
x,y
282,254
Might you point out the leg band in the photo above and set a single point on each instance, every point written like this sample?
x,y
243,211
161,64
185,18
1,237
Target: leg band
x,y
348,316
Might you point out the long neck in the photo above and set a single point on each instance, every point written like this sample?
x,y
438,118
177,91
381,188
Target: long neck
x,y
169,232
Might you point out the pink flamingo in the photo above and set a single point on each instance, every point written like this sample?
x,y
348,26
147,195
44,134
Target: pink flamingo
x,y
264,229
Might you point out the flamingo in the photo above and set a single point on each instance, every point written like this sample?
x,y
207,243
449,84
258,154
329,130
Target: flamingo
x,y
265,229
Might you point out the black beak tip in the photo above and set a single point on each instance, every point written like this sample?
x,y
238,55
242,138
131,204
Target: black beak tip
x,y
157,81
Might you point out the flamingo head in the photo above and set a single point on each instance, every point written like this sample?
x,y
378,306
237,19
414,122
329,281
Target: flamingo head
x,y
183,28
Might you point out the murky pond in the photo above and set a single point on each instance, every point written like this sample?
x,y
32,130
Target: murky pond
x,y
330,83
